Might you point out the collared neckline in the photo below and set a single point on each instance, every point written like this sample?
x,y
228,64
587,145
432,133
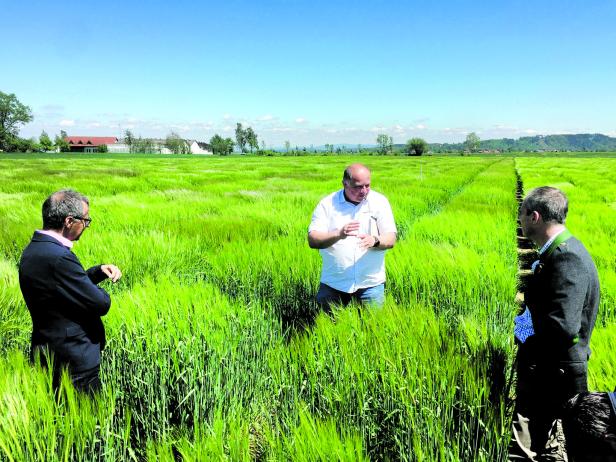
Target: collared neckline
x,y
342,199
547,245
57,236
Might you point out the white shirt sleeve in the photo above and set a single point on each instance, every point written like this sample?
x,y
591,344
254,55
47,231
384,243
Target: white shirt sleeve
x,y
320,219
385,217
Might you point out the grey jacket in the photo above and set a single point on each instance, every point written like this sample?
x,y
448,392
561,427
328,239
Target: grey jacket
x,y
563,298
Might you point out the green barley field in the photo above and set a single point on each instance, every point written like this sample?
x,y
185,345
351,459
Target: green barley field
x,y
216,350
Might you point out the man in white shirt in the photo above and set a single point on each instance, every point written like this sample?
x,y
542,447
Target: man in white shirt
x,y
352,228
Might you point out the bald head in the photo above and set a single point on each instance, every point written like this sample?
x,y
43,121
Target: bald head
x,y
354,171
356,182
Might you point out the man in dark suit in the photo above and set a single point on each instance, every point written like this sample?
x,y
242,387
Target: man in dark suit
x,y
562,298
63,299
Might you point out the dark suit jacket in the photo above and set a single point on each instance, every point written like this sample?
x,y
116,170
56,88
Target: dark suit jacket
x,y
563,298
65,304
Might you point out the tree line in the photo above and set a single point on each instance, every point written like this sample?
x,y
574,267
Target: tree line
x,y
13,114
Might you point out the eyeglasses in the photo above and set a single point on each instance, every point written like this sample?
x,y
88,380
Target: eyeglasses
x,y
86,221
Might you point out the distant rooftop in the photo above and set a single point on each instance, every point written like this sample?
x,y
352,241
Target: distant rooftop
x,y
90,140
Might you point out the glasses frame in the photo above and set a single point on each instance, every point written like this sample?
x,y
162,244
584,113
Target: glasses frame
x,y
86,221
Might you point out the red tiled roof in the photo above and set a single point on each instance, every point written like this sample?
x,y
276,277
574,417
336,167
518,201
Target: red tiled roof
x,y
90,140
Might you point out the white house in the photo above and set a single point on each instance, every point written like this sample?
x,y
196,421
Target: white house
x,y
199,147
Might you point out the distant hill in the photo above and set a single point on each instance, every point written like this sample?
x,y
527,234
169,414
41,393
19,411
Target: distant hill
x,y
581,142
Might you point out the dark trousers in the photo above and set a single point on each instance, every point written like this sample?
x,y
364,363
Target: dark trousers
x,y
86,381
541,393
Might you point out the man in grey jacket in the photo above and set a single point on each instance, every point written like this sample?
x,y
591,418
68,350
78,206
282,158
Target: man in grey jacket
x,y
562,299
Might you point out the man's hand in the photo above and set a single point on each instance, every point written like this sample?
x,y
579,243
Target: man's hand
x,y
350,229
366,241
112,272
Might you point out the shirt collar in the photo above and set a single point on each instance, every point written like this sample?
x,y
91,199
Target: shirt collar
x,y
57,236
343,200
546,246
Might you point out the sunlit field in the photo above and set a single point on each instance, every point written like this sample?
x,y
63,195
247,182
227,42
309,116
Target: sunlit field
x,y
216,350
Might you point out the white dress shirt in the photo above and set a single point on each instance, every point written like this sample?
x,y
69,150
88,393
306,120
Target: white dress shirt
x,y
347,267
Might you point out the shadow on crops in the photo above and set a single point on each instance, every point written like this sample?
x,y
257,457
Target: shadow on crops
x,y
293,305
494,367
152,391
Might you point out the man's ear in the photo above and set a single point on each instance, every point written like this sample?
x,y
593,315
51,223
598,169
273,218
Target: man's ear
x,y
535,217
68,221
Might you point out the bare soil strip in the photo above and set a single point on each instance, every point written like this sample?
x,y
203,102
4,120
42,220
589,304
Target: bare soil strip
x,y
526,250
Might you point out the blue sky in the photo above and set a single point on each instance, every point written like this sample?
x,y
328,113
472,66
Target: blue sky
x,y
313,72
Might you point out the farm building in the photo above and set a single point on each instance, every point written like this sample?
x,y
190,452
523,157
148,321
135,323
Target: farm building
x,y
89,143
199,147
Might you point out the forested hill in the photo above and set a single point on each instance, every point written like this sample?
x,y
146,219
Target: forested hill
x,y
580,142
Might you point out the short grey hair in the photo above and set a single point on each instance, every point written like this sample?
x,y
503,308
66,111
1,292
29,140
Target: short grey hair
x,y
346,176
551,203
62,204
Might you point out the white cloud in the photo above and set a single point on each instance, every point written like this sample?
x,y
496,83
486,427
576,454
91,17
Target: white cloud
x,y
281,129
300,120
67,123
180,128
266,118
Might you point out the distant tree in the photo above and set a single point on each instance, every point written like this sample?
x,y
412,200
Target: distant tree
x,y
251,138
144,146
416,146
129,139
218,145
385,143
176,145
12,114
240,137
221,146
102,148
359,148
263,145
472,142
229,145
17,144
45,142
287,145
61,142
32,145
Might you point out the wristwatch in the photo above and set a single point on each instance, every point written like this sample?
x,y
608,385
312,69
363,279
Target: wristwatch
x,y
376,241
